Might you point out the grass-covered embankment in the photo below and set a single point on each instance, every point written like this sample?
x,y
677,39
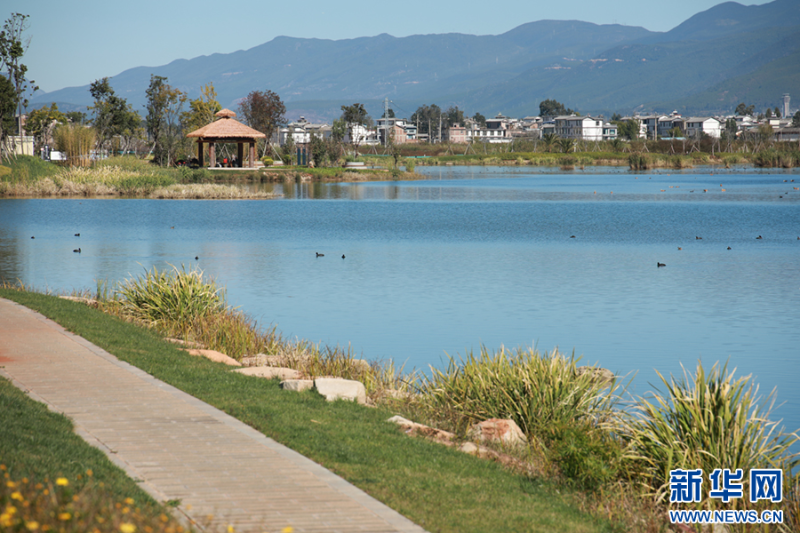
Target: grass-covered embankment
x,y
435,486
114,177
612,454
52,480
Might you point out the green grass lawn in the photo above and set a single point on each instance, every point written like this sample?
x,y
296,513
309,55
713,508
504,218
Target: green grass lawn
x,y
435,486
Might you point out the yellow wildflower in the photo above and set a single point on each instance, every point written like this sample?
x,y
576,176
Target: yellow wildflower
x,y
287,529
126,510
64,516
11,510
164,518
39,486
46,492
89,472
24,480
62,482
10,484
127,528
16,495
32,525
2,467
231,530
5,520
129,501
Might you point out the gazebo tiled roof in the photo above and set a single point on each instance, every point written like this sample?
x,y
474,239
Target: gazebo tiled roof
x,y
226,128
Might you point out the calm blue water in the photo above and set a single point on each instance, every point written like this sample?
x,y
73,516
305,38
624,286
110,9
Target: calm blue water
x,y
473,256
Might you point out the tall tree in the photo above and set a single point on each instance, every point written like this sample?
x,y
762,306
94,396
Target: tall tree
x,y
164,105
796,120
745,110
454,115
355,116
112,114
479,119
552,108
427,120
12,47
42,123
629,129
263,111
201,110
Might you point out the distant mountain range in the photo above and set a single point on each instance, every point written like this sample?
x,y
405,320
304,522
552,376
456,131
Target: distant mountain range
x,y
728,54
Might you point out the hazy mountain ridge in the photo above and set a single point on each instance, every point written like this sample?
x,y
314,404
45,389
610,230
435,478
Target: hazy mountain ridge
x,y
589,67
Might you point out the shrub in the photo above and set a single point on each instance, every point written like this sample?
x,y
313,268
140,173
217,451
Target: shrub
x,y
410,163
162,298
536,390
706,420
267,161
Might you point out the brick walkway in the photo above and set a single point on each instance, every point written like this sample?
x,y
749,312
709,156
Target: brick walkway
x,y
177,446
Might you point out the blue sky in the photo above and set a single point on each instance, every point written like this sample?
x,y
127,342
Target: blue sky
x,y
76,42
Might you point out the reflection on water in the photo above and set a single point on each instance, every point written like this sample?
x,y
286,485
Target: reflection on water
x,y
473,255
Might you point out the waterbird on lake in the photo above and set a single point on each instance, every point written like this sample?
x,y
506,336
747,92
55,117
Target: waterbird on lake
x,y
320,255
759,237
77,251
77,234
660,264
342,256
572,236
196,258
32,237
679,248
729,247
698,238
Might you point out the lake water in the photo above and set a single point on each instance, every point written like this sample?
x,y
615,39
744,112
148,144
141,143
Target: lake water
x,y
474,256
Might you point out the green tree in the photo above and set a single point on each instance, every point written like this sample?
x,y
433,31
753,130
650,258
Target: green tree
x,y
12,47
164,105
777,112
391,113
42,123
202,110
354,116
112,114
731,127
768,114
76,117
796,120
566,145
263,111
629,129
479,119
453,115
8,107
552,108
319,150
427,120
745,110
289,148
549,139
616,117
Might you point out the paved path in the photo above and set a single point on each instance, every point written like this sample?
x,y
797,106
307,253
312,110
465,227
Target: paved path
x,y
176,445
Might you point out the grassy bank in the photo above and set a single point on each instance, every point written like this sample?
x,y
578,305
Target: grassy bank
x,y
435,486
26,176
612,454
52,480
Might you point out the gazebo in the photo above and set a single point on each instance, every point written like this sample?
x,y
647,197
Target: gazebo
x,y
227,130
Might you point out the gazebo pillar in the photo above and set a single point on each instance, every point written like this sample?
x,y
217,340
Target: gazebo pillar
x,y
240,153
212,154
252,155
200,151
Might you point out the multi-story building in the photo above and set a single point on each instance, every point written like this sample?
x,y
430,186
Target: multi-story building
x,y
584,128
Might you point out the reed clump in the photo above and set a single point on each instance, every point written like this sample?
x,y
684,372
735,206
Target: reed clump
x,y
708,420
